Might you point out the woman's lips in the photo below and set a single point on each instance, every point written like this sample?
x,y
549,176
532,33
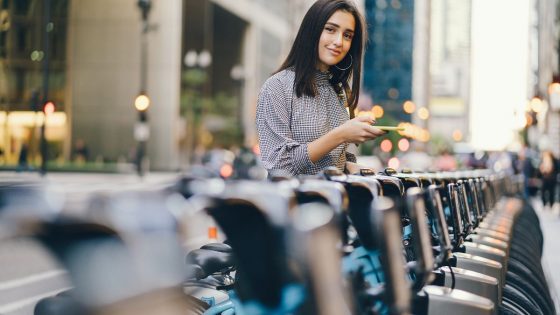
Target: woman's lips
x,y
334,52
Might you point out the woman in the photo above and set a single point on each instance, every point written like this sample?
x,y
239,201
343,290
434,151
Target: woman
x,y
303,109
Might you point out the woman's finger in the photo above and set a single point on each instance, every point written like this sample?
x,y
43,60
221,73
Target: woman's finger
x,y
366,118
375,131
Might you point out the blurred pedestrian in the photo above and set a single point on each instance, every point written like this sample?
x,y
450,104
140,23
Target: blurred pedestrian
x,y
417,159
530,180
548,170
305,111
81,151
445,161
22,158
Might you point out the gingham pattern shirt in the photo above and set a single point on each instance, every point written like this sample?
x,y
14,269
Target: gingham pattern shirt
x,y
286,123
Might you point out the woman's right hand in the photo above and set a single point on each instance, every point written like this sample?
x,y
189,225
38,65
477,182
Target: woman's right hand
x,y
359,129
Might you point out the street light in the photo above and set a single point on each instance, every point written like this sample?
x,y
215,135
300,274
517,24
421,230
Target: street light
x,y
141,131
554,93
142,101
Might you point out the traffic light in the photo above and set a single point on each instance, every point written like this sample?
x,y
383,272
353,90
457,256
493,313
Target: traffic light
x,y
49,108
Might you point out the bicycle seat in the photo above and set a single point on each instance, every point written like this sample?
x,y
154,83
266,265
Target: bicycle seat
x,y
218,247
204,262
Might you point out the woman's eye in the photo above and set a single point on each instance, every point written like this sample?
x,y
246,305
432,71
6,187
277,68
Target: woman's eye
x,y
329,29
348,36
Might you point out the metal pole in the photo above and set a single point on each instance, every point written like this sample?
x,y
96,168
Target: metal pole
x,y
143,55
145,6
46,60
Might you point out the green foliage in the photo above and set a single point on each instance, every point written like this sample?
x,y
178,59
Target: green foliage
x,y
440,143
194,77
197,107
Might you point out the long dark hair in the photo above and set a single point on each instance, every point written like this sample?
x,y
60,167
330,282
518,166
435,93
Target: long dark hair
x,y
304,55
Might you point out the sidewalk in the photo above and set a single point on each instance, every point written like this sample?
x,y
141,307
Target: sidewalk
x,y
550,223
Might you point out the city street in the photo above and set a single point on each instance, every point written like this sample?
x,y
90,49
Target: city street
x,y
403,95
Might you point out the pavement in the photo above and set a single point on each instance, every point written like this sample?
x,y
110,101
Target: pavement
x,y
550,224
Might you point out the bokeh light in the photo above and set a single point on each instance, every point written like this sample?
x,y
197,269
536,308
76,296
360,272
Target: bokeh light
x,y
142,102
457,135
49,108
404,144
365,114
554,88
409,107
393,93
226,170
377,111
537,105
394,162
423,113
386,145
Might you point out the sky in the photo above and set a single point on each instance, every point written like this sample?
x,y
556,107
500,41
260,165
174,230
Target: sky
x,y
500,70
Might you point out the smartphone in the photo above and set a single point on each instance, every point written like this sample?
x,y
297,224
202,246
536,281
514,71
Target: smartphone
x,y
389,128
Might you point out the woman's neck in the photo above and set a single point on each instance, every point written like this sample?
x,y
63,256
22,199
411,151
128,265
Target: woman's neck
x,y
322,67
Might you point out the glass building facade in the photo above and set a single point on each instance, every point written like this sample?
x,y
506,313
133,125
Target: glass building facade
x,y
22,52
22,56
388,57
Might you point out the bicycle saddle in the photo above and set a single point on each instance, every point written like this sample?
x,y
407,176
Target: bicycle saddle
x,y
204,262
218,247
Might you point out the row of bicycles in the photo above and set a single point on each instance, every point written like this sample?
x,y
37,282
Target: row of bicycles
x,y
369,243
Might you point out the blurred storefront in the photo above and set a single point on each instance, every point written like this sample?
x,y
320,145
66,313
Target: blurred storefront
x,y
95,72
546,71
206,62
22,58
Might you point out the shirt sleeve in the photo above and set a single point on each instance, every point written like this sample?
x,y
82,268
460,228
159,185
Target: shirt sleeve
x,y
280,153
350,157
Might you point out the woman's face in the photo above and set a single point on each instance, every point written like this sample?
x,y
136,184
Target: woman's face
x,y
336,39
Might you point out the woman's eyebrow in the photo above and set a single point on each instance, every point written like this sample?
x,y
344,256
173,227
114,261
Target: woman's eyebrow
x,y
338,26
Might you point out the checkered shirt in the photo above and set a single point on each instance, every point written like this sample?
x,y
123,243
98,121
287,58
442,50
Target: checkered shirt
x,y
286,123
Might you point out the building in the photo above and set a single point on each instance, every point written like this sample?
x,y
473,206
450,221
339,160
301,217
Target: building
x,y
547,69
95,73
388,63
450,54
22,89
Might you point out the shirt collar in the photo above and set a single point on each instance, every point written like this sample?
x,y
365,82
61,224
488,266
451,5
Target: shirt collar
x,y
322,78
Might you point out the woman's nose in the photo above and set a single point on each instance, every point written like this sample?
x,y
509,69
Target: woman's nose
x,y
337,39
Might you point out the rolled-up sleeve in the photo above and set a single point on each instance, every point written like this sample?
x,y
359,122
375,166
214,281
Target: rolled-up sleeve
x,y
279,151
350,157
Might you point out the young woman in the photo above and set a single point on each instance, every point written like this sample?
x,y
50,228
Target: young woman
x,y
305,111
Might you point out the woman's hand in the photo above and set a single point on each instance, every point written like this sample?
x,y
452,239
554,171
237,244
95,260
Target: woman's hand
x,y
359,130
356,130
